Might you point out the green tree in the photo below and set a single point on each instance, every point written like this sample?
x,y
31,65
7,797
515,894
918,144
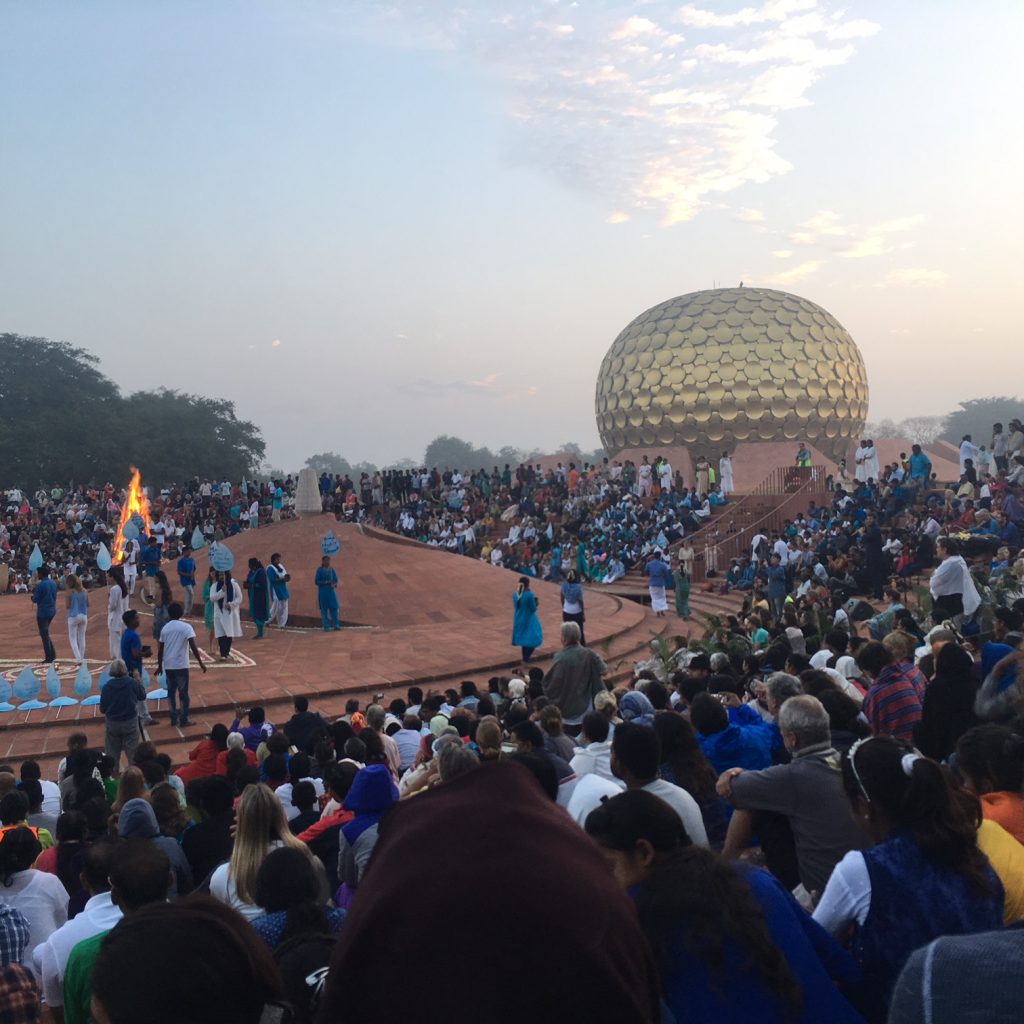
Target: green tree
x,y
455,453
329,462
58,414
62,421
975,417
172,436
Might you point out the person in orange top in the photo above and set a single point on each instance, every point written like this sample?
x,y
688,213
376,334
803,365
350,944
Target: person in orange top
x,y
991,760
202,759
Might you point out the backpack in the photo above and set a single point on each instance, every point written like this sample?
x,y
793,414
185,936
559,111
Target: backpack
x,y
303,961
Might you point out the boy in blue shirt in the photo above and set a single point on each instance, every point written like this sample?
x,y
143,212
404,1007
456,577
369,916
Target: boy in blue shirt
x,y
150,560
187,578
132,653
131,644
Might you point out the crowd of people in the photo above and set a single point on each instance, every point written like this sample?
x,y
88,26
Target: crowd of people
x,y
815,813
792,831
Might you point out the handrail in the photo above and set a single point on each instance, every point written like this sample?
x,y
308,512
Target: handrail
x,y
803,480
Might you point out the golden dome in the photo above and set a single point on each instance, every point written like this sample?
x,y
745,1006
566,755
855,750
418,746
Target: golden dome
x,y
711,369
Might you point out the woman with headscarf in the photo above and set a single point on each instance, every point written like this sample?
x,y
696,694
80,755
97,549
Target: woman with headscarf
x,y
578,952
947,710
636,708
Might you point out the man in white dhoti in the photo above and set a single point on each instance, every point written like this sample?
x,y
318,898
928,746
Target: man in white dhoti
x,y
278,577
860,473
665,477
871,466
645,479
725,474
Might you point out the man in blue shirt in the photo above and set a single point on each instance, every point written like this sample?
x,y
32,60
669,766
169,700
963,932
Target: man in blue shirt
x,y
150,559
920,466
44,597
187,578
131,644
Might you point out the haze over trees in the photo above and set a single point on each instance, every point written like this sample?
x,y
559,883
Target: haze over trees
x,y
62,420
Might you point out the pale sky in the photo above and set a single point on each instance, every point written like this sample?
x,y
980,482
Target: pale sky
x,y
368,224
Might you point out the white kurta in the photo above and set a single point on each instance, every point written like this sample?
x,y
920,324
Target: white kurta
x,y
953,577
226,620
871,467
725,475
860,473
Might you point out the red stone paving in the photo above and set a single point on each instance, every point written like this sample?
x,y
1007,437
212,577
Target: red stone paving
x,y
471,641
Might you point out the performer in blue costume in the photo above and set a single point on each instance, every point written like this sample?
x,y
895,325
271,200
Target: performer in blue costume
x,y
327,589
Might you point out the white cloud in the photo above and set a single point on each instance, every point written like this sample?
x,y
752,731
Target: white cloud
x,y
782,254
617,217
827,228
662,111
634,28
823,224
276,343
750,216
794,274
486,383
914,277
900,332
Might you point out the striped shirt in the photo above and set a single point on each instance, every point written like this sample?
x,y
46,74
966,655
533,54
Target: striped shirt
x,y
892,705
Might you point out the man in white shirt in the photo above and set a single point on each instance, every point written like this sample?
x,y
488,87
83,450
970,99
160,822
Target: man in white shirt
x,y
755,544
594,756
299,771
635,761
176,639
645,478
50,958
51,791
968,450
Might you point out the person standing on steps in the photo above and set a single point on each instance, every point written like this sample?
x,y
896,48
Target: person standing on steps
x,y
572,603
526,628
278,578
659,576
327,594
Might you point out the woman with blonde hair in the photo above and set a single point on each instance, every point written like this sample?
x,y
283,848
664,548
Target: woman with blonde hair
x,y
261,826
77,601
130,786
488,738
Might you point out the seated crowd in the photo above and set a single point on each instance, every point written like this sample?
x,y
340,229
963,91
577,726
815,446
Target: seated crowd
x,y
791,831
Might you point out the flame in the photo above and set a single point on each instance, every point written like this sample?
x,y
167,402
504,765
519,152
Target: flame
x,y
135,502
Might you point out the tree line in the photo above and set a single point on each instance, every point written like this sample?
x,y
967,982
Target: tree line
x,y
63,421
975,417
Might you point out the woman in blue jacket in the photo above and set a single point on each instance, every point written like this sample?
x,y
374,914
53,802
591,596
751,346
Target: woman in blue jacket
x,y
526,630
